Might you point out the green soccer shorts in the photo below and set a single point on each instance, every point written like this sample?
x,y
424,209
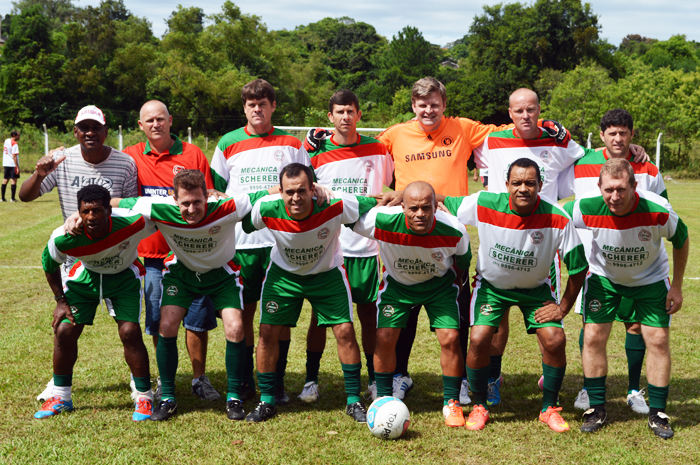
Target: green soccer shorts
x,y
283,295
602,300
253,263
180,285
121,292
490,303
363,274
438,295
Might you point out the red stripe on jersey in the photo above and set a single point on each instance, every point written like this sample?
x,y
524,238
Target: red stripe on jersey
x,y
226,208
634,220
313,222
426,242
74,268
347,153
587,171
502,143
511,221
108,242
260,142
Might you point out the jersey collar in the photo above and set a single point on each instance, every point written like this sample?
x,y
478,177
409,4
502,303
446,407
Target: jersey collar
x,y
517,136
269,133
348,145
629,155
176,149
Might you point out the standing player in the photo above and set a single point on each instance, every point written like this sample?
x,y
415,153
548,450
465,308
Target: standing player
x,y
520,233
158,160
628,259
10,164
306,263
106,268
247,160
616,132
424,253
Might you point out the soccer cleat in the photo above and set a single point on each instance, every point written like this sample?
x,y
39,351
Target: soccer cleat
x,y
158,393
477,418
464,398
493,397
143,410
202,388
247,391
552,418
402,385
357,411
262,412
164,410
53,406
593,420
281,397
371,392
47,393
636,401
234,409
659,425
582,401
309,393
13,200
453,413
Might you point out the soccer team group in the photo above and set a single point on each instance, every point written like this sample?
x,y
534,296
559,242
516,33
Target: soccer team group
x,y
278,221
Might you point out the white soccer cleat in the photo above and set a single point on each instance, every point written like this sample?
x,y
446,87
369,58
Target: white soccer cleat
x,y
636,401
371,392
309,393
402,384
582,401
464,398
47,393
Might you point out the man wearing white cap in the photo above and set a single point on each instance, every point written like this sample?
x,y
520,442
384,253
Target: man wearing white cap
x,y
89,162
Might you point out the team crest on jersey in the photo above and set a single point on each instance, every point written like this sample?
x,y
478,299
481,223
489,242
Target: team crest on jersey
x,y
536,237
177,169
644,235
279,155
124,245
73,309
545,156
438,256
387,310
172,291
594,305
214,229
272,306
486,310
447,141
368,166
323,233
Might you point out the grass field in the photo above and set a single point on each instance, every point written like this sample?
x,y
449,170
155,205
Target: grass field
x,y
101,430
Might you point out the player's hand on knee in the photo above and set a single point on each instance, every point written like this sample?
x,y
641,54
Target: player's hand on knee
x,y
640,155
314,138
557,130
550,311
674,300
60,313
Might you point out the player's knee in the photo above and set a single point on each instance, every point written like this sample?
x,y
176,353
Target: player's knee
x,y
480,338
554,342
449,340
130,333
656,340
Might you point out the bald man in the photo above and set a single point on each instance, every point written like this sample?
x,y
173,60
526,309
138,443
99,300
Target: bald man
x,y
159,159
424,252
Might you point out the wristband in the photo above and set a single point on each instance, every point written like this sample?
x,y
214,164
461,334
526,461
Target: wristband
x,y
59,297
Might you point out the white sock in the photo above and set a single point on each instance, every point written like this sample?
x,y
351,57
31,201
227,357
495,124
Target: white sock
x,y
148,395
64,392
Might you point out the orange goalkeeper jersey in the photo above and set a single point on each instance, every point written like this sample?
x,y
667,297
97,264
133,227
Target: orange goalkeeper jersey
x,y
440,157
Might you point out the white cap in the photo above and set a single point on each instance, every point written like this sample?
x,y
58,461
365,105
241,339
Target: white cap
x,y
90,112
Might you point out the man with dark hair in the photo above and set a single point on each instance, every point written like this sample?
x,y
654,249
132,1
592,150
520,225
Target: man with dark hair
x,y
628,259
247,160
520,232
306,263
106,268
10,163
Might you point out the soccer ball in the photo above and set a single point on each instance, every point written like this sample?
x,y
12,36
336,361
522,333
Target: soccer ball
x,y
388,418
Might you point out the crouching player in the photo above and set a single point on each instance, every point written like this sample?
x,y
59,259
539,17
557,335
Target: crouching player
x,y
520,232
420,249
106,267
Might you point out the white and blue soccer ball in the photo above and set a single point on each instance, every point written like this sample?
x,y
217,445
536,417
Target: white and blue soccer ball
x,y
388,418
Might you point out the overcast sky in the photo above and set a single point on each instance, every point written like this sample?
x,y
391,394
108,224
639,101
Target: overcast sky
x,y
450,22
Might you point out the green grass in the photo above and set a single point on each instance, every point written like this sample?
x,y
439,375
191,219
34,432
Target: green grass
x,y
101,430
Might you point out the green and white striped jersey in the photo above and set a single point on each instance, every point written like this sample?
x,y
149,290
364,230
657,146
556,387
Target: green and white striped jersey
x,y
516,251
412,258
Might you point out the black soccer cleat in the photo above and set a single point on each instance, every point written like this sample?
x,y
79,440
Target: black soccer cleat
x,y
659,425
593,419
234,409
164,410
263,412
281,397
247,392
357,411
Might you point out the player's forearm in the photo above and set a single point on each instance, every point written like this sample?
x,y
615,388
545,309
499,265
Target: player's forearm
x,y
31,188
573,287
680,260
54,280
114,202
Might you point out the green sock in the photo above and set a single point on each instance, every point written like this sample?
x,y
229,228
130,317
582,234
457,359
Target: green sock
x,y
281,367
235,364
63,380
385,383
167,358
635,349
553,376
266,383
369,358
143,384
495,367
313,364
580,341
479,384
352,373
596,390
248,377
450,388
657,396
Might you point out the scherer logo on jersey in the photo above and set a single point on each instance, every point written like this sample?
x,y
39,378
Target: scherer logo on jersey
x,y
195,244
486,310
279,155
214,230
624,257
594,305
124,245
271,306
172,291
112,262
438,256
82,181
387,310
323,233
512,258
536,237
415,266
545,156
368,166
177,169
304,256
644,235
